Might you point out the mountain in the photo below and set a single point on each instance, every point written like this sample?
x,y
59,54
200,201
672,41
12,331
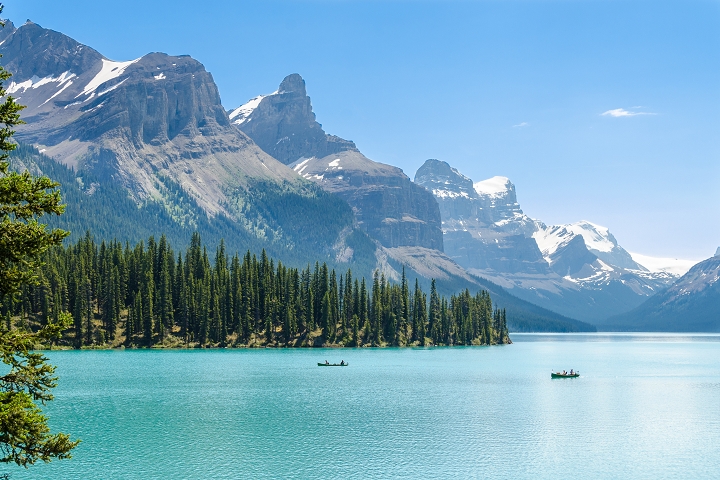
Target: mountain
x,y
388,206
578,270
691,304
145,147
283,124
155,126
483,226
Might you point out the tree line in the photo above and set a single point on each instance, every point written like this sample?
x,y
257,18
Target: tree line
x,y
146,296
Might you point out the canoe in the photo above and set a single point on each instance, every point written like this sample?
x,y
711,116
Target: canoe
x,y
332,364
567,375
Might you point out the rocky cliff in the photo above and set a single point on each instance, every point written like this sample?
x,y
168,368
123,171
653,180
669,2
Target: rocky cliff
x,y
155,125
388,206
283,124
578,270
483,225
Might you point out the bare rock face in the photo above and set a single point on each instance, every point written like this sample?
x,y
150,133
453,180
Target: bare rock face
x,y
483,225
138,122
387,205
155,126
283,124
577,269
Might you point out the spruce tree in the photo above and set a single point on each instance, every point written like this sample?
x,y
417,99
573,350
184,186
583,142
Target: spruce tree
x,y
27,378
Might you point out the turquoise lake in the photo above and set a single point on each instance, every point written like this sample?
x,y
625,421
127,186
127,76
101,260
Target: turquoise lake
x,y
646,406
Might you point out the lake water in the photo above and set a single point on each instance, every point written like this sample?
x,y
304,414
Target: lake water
x,y
644,407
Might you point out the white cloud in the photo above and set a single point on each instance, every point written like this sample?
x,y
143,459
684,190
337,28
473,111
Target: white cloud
x,y
523,124
621,112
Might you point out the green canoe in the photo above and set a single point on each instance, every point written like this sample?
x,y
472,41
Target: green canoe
x,y
567,375
332,364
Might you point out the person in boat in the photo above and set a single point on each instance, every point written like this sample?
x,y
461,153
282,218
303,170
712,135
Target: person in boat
x,y
564,372
572,372
327,363
342,362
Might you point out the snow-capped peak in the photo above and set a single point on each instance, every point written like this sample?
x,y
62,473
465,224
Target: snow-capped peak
x,y
596,237
242,113
551,238
493,187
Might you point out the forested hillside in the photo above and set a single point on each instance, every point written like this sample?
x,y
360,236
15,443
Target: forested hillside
x,y
106,210
147,296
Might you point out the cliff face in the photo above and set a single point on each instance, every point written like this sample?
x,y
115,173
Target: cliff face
x,y
138,122
388,206
155,126
483,224
578,269
283,124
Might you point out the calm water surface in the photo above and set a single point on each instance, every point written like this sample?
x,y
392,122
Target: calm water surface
x,y
644,407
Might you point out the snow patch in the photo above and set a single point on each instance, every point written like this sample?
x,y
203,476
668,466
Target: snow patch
x,y
334,163
493,187
57,93
241,114
449,194
160,76
111,88
300,167
675,266
36,82
550,239
109,71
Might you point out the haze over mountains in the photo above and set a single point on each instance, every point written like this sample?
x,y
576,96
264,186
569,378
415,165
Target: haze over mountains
x,y
266,175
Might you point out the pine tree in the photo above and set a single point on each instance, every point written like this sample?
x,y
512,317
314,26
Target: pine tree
x,y
28,379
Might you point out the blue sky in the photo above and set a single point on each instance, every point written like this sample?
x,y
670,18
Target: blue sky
x,y
513,88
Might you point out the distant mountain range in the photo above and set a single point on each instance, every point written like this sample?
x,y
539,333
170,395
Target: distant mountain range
x,y
578,270
692,304
145,147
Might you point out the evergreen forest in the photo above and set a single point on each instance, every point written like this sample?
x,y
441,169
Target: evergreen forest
x,y
147,296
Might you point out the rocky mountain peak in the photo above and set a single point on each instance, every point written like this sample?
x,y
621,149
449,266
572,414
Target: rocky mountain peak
x,y
293,83
443,180
139,123
717,252
283,124
33,51
497,188
598,240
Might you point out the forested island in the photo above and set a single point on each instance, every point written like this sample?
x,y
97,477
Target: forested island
x,y
146,296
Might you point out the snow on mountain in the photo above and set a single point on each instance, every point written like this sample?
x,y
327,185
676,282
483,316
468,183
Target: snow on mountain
x,y
577,269
596,237
675,266
109,71
241,114
36,82
494,187
598,241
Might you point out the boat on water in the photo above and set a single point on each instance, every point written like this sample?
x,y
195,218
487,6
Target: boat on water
x,y
564,375
343,364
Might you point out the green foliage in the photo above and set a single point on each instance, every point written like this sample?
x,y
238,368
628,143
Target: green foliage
x,y
148,296
104,208
24,434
